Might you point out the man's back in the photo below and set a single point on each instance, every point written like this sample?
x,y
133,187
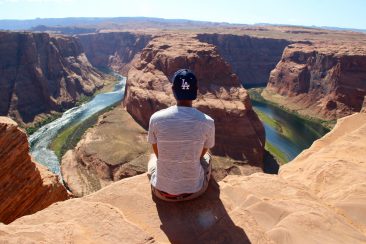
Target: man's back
x,y
181,133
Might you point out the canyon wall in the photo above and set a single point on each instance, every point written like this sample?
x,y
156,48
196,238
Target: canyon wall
x,y
324,81
318,197
26,186
113,49
41,73
239,132
251,58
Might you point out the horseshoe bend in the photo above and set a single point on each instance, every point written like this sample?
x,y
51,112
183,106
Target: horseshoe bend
x,y
103,194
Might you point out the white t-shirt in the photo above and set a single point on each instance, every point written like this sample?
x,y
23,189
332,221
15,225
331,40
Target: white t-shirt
x,y
181,133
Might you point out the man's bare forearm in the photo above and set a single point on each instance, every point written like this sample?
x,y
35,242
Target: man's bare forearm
x,y
155,148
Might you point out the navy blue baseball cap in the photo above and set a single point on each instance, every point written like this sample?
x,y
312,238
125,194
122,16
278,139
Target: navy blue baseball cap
x,y
184,85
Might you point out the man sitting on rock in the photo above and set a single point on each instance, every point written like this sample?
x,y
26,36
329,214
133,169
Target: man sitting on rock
x,y
180,136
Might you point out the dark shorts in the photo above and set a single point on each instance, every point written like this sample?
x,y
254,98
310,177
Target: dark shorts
x,y
207,167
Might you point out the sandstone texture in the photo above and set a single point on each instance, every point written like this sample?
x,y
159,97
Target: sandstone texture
x,y
251,58
113,49
239,132
364,105
42,73
326,81
319,197
113,149
116,148
26,186
334,168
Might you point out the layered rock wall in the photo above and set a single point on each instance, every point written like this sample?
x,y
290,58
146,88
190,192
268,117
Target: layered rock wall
x,y
239,132
251,58
326,81
41,73
26,187
113,49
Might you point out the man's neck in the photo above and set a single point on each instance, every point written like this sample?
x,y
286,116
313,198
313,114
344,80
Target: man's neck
x,y
184,103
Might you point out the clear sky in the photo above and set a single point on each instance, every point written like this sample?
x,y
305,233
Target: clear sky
x,y
338,13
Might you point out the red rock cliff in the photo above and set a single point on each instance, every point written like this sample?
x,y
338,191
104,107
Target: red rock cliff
x,y
26,187
251,58
327,80
113,49
42,73
239,133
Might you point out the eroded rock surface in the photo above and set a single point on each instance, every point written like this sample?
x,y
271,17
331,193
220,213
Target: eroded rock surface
x,y
318,197
334,168
220,93
42,73
326,81
26,186
113,149
251,58
113,49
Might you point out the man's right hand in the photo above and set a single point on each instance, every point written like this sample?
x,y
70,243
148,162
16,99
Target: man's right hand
x,y
204,151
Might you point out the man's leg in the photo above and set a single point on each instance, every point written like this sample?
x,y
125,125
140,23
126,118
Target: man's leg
x,y
207,167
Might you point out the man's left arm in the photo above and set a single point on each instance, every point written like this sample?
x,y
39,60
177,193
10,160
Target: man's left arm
x,y
210,140
151,138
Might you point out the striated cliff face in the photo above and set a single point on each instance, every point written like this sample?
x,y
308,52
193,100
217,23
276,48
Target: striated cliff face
x,y
326,81
26,187
220,93
318,197
251,58
41,73
113,49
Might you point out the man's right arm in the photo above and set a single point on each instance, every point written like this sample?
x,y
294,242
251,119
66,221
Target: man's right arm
x,y
151,138
155,148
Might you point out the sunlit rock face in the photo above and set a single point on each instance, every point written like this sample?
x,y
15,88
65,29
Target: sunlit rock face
x,y
26,186
325,81
42,73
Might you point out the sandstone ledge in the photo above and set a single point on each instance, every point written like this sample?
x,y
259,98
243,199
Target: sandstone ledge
x,y
26,186
291,208
258,209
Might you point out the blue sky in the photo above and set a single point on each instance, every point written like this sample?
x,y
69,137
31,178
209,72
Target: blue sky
x,y
339,13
